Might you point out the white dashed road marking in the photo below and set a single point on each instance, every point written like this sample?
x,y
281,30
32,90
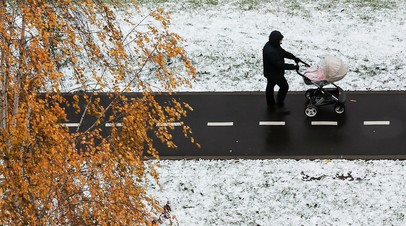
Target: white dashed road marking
x,y
272,123
324,123
168,124
109,124
174,124
220,124
261,123
70,124
376,123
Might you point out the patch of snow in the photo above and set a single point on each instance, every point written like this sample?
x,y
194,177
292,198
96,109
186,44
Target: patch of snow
x,y
284,192
225,44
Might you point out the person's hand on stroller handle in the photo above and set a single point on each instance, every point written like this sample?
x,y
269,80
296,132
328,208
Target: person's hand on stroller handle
x,y
298,60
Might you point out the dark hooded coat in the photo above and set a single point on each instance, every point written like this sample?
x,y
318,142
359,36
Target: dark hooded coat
x,y
274,57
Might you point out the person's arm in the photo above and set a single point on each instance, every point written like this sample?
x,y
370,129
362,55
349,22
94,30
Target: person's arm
x,y
279,62
291,67
289,55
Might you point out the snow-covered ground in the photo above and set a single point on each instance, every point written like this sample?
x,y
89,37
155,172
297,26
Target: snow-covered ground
x,y
284,192
225,42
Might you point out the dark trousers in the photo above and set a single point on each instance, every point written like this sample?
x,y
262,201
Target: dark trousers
x,y
283,90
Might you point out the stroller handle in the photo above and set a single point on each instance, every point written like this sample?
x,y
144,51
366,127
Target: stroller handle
x,y
301,61
297,64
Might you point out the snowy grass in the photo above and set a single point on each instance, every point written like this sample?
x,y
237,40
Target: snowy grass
x,y
284,192
282,4
225,40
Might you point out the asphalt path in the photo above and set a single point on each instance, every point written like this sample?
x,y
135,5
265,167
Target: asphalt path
x,y
239,125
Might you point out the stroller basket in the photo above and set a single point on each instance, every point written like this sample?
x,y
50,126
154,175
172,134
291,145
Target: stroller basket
x,y
321,83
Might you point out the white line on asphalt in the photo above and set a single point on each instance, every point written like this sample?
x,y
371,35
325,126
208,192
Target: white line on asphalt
x,y
324,123
70,124
168,124
376,123
110,124
220,123
271,123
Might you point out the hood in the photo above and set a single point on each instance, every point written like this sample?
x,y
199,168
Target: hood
x,y
274,38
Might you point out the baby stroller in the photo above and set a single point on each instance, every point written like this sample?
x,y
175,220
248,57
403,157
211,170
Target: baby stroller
x,y
329,70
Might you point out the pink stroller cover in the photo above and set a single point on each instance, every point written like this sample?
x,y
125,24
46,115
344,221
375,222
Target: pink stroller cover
x,y
315,74
330,69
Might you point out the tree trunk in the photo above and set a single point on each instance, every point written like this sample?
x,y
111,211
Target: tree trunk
x,y
19,88
3,76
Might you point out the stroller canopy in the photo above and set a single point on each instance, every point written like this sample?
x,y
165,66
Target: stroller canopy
x,y
330,69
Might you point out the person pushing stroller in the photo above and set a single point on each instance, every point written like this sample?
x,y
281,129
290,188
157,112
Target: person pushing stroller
x,y
274,70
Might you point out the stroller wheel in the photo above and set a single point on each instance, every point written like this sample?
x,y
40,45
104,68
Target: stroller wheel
x,y
339,108
311,111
